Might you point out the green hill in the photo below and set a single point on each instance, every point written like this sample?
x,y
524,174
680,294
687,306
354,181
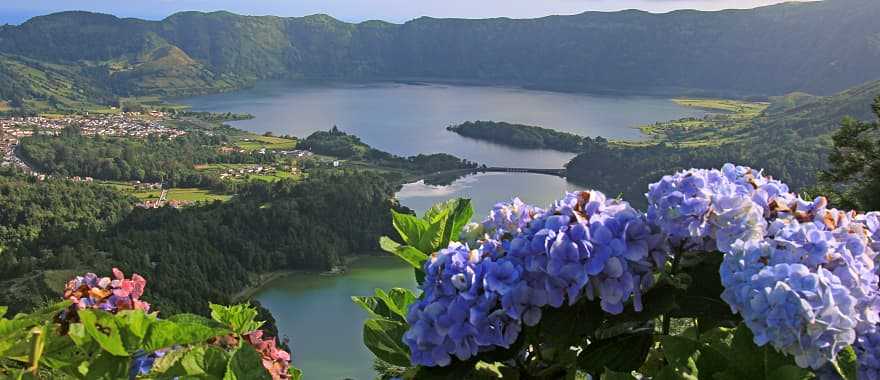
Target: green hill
x,y
813,47
791,138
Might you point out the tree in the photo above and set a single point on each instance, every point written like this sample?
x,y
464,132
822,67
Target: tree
x,y
855,162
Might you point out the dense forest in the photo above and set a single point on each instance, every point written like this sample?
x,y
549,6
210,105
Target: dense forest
x,y
734,52
350,147
153,159
854,175
267,227
522,136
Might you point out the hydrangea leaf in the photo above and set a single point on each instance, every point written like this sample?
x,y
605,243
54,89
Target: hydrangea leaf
x,y
397,300
691,357
385,339
103,328
848,364
239,318
791,372
612,375
295,373
246,364
623,353
460,210
407,253
444,224
165,333
410,228
202,361
107,366
373,305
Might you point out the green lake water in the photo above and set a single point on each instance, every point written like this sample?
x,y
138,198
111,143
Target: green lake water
x,y
323,325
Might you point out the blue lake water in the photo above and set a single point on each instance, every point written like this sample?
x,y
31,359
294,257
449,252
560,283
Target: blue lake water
x,y
407,119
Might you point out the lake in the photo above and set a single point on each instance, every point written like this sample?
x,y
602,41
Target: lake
x,y
316,312
323,325
407,119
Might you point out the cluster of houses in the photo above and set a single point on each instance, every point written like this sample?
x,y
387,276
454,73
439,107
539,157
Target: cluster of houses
x,y
126,124
295,153
157,203
141,186
236,173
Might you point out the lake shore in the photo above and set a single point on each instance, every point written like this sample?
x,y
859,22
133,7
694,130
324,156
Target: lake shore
x,y
264,279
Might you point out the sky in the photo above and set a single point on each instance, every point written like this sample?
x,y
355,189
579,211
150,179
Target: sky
x,y
17,11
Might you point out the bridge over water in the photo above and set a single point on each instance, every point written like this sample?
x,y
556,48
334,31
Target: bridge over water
x,y
452,174
555,172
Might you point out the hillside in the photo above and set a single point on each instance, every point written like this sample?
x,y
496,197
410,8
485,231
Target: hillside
x,y
790,138
757,52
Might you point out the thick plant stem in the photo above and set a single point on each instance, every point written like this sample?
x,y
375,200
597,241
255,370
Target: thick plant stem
x,y
667,321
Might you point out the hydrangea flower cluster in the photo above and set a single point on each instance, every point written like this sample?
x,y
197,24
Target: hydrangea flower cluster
x,y
867,349
803,276
708,210
275,360
117,294
457,315
809,286
505,220
476,300
112,295
584,245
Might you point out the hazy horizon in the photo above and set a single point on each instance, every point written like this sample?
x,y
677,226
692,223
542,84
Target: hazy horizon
x,y
356,11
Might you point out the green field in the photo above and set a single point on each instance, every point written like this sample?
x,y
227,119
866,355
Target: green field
x,y
196,195
727,121
269,142
178,194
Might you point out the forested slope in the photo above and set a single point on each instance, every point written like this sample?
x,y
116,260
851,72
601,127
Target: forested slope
x,y
815,47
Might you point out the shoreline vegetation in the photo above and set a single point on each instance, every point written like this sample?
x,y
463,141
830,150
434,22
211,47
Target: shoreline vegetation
x,y
263,280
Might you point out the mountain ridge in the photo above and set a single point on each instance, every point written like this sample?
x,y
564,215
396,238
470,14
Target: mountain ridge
x,y
760,52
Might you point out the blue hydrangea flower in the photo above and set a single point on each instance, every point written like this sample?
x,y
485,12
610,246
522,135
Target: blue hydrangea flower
x,y
585,245
805,314
867,349
458,315
809,287
708,210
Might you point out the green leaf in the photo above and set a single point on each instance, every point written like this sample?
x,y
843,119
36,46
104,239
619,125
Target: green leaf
x,y
373,305
407,253
202,361
295,373
847,363
385,339
409,228
445,224
569,325
623,353
612,375
103,328
239,318
461,212
246,364
397,300
791,372
168,333
3,310
391,306
107,367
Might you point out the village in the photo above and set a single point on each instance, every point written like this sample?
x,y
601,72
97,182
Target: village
x,y
125,124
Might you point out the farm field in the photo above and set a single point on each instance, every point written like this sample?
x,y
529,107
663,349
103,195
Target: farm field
x,y
256,142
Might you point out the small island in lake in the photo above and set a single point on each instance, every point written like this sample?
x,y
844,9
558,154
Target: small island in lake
x,y
523,136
